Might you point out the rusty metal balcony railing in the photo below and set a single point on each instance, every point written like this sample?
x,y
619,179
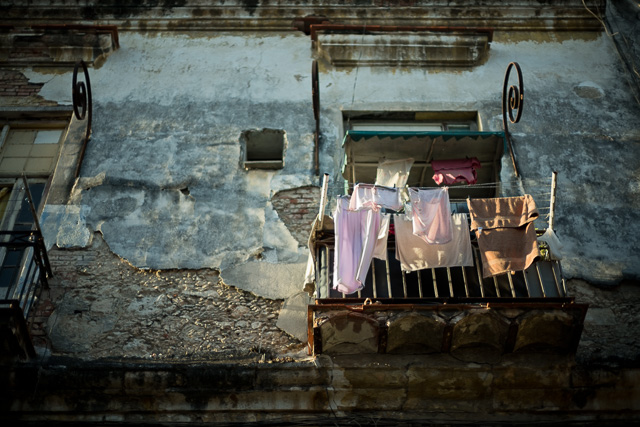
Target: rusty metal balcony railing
x,y
386,280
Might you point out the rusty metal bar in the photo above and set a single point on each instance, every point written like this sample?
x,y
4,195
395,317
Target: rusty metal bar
x,y
388,277
555,278
450,282
404,284
552,202
82,106
315,96
435,283
513,291
544,293
323,199
328,270
40,247
373,277
477,260
495,283
466,284
526,282
512,99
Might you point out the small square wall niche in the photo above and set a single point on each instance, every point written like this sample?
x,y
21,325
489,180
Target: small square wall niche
x,y
264,148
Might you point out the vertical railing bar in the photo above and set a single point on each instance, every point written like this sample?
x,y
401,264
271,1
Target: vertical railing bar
x,y
388,278
329,268
464,279
477,261
404,283
435,283
526,281
544,294
555,278
373,276
31,287
564,283
24,273
323,199
419,283
34,214
450,282
513,291
552,201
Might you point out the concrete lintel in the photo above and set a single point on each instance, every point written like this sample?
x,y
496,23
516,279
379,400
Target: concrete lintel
x,y
460,49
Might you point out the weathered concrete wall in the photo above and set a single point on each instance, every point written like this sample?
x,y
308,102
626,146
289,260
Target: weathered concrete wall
x,y
100,306
169,110
367,390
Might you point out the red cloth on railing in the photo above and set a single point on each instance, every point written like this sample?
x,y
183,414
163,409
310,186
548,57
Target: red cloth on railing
x,y
456,170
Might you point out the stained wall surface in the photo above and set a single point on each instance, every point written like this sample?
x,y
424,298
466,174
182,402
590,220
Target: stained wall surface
x,y
162,178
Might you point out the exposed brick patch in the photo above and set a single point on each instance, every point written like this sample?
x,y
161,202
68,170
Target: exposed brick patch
x,y
14,83
297,208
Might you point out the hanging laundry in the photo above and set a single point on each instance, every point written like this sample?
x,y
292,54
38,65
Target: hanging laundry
x,y
555,247
380,248
416,254
431,214
356,234
505,231
457,170
393,173
374,197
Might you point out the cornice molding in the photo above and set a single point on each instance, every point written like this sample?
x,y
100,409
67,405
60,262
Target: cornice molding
x,y
231,15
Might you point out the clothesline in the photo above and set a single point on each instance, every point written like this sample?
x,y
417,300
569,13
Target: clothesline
x,y
453,186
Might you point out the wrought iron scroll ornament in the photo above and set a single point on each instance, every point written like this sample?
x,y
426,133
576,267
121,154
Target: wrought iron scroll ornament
x,y
82,105
512,100
315,94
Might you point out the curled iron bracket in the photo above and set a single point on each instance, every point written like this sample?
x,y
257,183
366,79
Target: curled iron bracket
x,y
315,94
512,99
82,105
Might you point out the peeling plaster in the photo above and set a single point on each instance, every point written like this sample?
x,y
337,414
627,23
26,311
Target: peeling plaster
x,y
169,112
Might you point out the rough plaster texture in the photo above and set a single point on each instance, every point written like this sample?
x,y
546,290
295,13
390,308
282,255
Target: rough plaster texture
x,y
162,178
100,306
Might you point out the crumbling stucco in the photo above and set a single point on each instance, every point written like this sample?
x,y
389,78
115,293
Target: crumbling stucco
x,y
174,122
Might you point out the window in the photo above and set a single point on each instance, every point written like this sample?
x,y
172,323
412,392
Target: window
x,y
29,148
33,152
423,136
263,149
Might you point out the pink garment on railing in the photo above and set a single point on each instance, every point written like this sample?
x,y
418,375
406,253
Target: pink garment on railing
x,y
416,254
369,196
380,248
431,214
457,170
356,234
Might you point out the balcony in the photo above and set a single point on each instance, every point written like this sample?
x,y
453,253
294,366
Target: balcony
x,y
24,270
444,310
451,310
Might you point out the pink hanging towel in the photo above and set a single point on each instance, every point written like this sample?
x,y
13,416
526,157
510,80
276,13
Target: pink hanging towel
x,y
457,170
356,234
431,214
374,197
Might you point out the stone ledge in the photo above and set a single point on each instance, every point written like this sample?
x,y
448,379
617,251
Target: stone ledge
x,y
405,48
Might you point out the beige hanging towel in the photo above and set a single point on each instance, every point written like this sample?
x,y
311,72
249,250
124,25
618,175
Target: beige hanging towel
x,y
506,234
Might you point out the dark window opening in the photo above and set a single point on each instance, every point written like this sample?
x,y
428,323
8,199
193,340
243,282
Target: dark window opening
x,y
263,149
